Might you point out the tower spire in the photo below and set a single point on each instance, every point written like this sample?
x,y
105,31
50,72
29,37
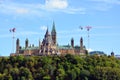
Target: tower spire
x,y
53,34
17,45
26,43
72,42
53,28
81,43
47,32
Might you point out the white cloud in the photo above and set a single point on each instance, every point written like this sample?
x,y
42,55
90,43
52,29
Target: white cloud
x,y
89,50
22,33
108,1
62,6
56,4
27,33
13,9
22,11
37,9
104,5
44,28
75,10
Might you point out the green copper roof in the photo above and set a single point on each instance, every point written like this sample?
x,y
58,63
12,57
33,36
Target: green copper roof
x,y
65,47
77,47
29,48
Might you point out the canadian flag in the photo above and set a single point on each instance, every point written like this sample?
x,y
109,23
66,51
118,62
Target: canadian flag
x,y
12,30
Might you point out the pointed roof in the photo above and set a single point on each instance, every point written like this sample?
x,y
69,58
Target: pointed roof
x,y
26,39
72,39
81,39
47,33
53,28
17,39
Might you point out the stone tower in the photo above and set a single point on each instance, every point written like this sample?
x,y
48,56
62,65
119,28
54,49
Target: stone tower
x,y
17,45
47,44
81,43
26,43
72,42
53,34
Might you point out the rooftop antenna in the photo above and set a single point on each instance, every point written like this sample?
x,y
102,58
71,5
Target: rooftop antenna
x,y
13,37
88,33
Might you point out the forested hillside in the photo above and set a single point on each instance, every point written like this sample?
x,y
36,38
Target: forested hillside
x,y
68,67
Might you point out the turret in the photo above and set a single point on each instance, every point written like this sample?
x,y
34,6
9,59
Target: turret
x,y
26,43
17,45
53,34
72,42
81,43
112,54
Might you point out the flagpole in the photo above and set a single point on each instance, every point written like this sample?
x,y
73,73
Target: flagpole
x,y
13,42
88,33
13,37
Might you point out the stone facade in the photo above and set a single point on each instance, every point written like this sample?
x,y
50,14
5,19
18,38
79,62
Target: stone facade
x,y
49,46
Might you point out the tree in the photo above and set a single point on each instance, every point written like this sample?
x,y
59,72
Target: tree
x,y
25,72
1,76
15,73
71,75
47,77
7,77
84,74
106,73
60,74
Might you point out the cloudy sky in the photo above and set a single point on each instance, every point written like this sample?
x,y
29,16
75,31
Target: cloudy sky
x,y
32,17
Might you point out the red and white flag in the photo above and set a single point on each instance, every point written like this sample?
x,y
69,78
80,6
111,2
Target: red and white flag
x,y
88,28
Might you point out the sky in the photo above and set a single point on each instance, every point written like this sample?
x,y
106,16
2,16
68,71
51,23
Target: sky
x,y
32,17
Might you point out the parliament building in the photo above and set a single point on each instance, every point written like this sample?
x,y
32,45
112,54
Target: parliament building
x,y
49,46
